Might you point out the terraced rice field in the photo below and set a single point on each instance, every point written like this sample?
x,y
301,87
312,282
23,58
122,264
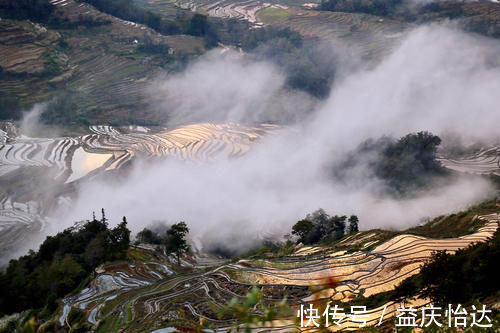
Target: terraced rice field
x,y
486,161
147,293
106,72
366,35
368,272
108,148
25,51
133,296
166,8
15,55
99,67
241,10
33,168
18,221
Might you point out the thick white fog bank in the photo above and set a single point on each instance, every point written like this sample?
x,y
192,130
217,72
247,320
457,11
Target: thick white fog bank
x,y
242,198
31,119
225,86
439,79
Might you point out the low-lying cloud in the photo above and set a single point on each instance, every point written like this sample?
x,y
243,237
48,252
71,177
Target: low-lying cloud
x,y
227,86
438,79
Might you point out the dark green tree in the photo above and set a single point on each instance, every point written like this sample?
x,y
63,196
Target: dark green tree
x,y
353,224
95,252
320,227
338,227
302,229
145,236
199,26
410,163
103,216
373,7
120,237
175,240
150,237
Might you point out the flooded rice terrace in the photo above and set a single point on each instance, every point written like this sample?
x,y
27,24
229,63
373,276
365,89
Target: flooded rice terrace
x,y
38,174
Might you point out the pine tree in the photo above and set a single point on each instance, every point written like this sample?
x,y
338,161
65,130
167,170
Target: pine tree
x,y
104,219
353,224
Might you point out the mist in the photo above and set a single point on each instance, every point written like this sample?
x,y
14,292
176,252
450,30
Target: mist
x,y
226,86
438,79
30,122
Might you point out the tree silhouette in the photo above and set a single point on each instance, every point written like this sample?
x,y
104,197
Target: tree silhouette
x,y
175,241
302,229
353,224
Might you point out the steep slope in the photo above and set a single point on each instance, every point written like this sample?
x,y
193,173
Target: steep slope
x,y
146,296
94,62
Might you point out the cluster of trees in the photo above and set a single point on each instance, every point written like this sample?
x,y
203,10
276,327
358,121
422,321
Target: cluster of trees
x,y
447,9
306,66
149,236
374,7
62,263
472,271
405,166
258,37
319,227
409,164
174,240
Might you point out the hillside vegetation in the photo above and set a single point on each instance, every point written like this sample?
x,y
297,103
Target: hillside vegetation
x,y
244,291
405,166
61,264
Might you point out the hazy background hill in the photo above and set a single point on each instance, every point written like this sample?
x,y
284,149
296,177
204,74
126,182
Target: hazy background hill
x,y
97,57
